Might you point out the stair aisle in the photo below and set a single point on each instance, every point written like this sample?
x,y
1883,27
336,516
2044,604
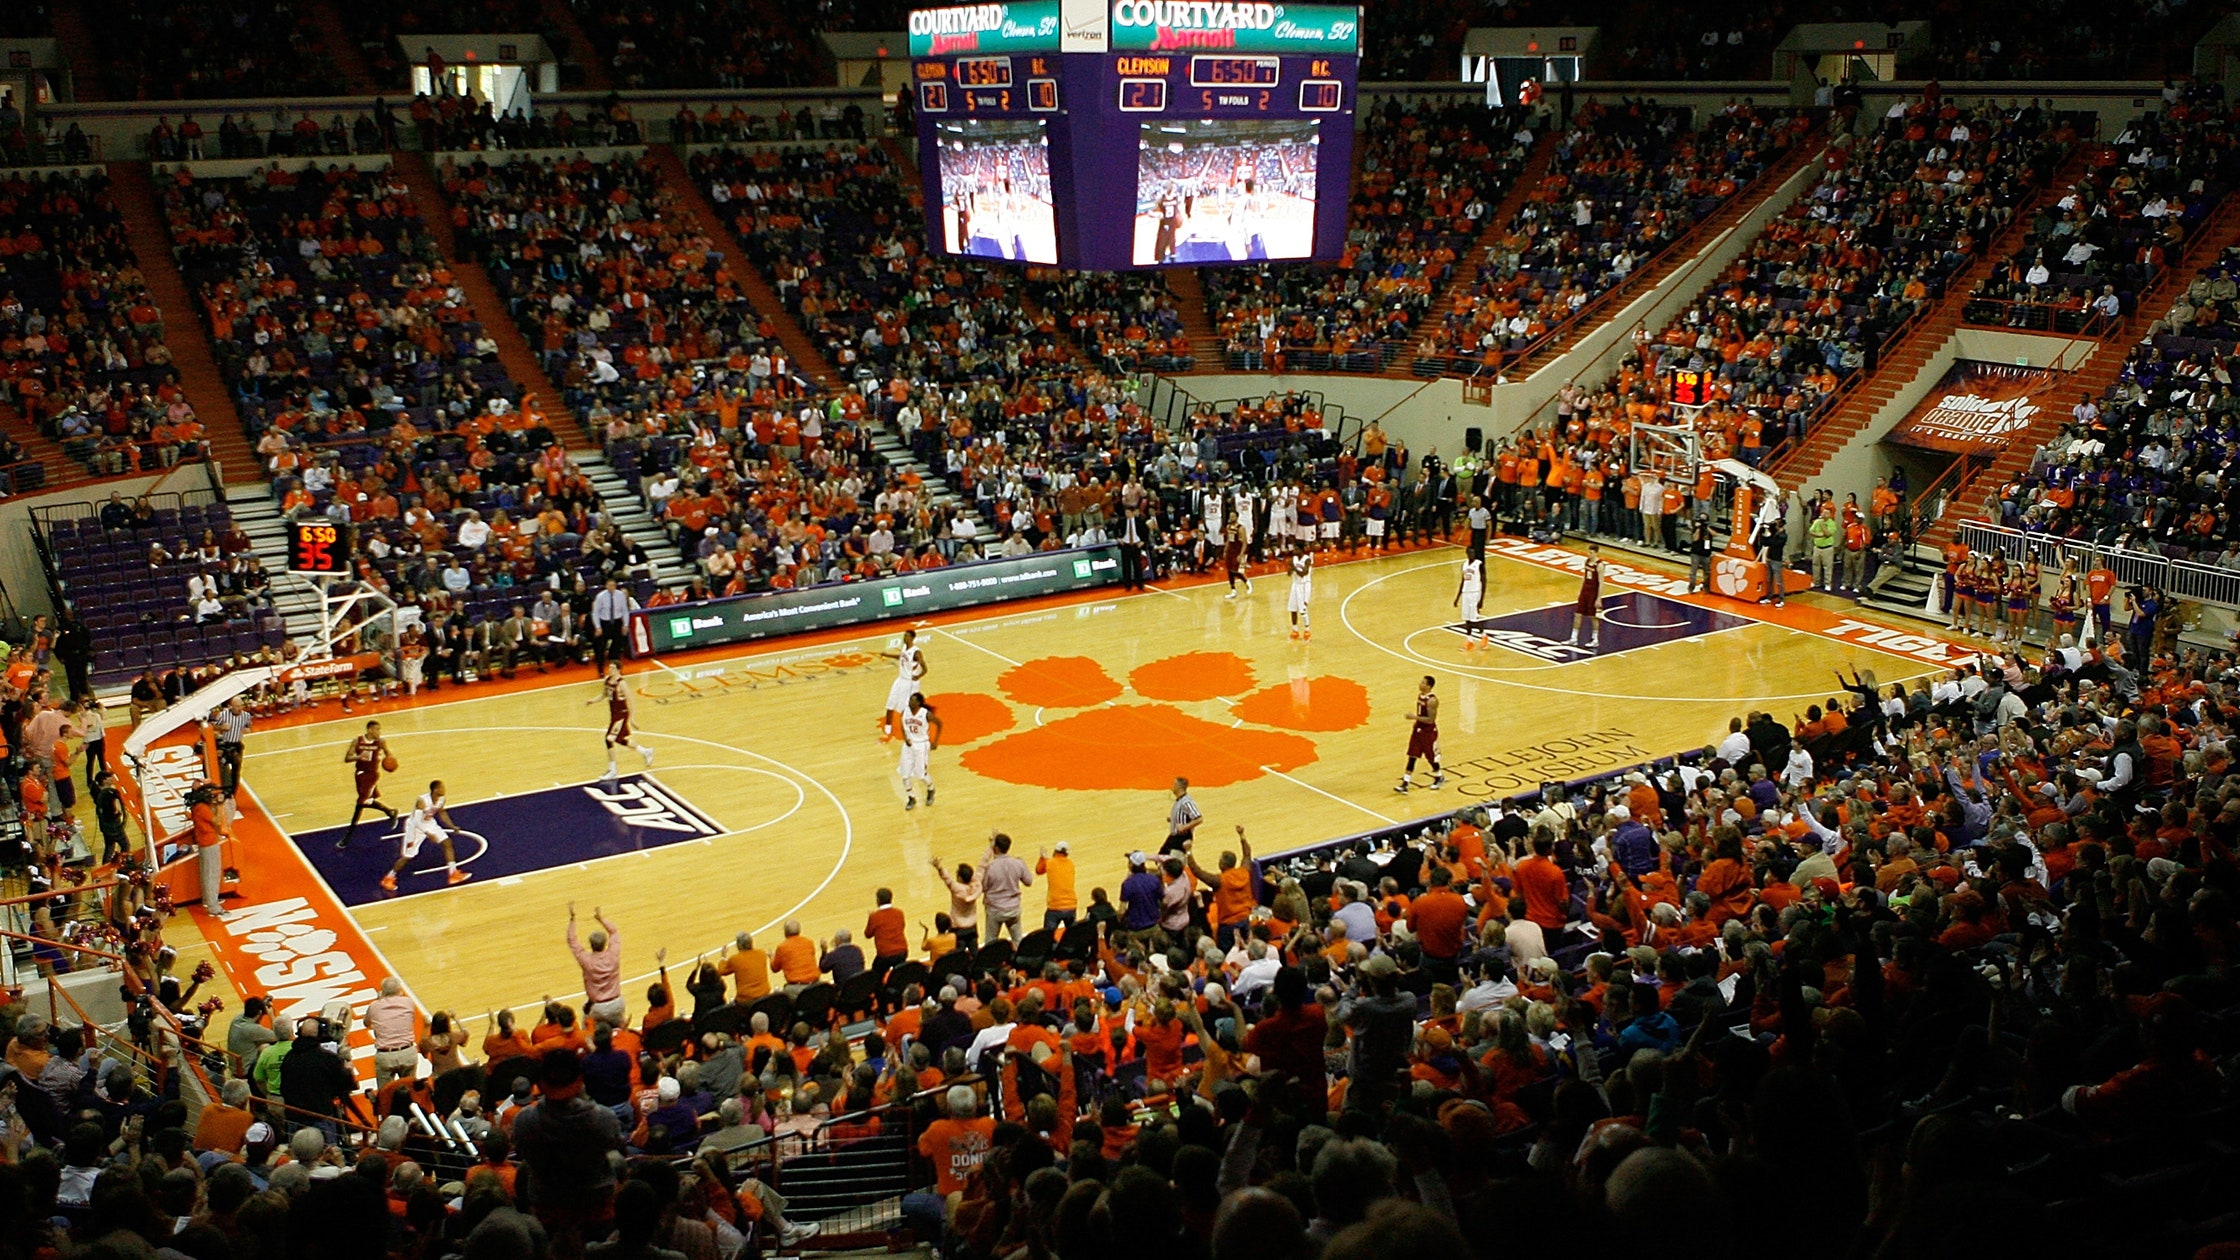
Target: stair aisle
x,y
348,56
79,52
1197,322
799,346
489,309
629,513
184,330
560,16
895,450
294,597
2220,231
1904,358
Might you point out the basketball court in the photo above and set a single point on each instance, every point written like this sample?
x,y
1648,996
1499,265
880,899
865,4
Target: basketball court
x,y
772,797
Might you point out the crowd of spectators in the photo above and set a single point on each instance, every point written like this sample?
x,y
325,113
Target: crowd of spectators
x,y
1127,322
374,396
758,485
82,351
2088,255
2145,467
838,235
158,51
1430,173
1805,310
1947,962
724,44
1625,182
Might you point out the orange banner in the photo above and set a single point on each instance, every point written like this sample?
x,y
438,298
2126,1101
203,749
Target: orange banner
x,y
1977,406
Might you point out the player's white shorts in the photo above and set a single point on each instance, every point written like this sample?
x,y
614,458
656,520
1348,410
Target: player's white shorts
x,y
415,836
1301,594
1472,597
898,695
1330,528
1374,526
914,761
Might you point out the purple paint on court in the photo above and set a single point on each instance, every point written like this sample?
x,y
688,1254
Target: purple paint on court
x,y
510,835
1630,620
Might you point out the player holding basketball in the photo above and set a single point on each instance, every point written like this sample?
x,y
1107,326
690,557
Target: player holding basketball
x,y
617,695
1232,558
368,755
1586,614
429,820
910,667
1470,598
1302,591
921,734
1423,735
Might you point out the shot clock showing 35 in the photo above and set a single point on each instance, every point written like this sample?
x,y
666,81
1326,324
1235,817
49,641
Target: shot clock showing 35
x,y
319,548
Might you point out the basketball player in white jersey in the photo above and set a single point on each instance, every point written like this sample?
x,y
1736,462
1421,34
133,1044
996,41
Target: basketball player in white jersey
x,y
616,693
921,734
1302,591
1281,514
1216,501
909,667
429,820
1470,597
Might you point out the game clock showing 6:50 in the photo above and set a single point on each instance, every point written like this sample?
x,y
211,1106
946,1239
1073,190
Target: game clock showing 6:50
x,y
319,548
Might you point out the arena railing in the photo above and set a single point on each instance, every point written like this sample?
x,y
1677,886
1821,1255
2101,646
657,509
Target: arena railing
x,y
2180,579
1303,858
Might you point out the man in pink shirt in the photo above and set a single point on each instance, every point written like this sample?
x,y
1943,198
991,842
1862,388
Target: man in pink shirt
x,y
391,1019
602,968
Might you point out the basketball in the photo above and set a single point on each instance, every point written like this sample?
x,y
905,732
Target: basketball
x,y
389,762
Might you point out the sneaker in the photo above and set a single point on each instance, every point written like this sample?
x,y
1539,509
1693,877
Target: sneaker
x,y
1232,593
1438,781
647,753
342,844
909,802
929,796
1306,634
796,1234
1401,787
1595,642
458,877
1294,634
390,812
1248,586
389,882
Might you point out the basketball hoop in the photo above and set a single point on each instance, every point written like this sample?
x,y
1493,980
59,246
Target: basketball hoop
x,y
1674,452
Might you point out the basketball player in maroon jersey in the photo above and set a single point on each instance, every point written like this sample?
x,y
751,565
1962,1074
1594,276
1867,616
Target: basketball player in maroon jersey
x,y
1423,735
617,695
367,755
1232,558
1586,614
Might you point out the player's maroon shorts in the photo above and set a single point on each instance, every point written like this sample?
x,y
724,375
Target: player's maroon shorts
x,y
369,784
618,731
1423,741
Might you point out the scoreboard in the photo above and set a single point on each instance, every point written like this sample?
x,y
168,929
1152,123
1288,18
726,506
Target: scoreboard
x,y
1108,134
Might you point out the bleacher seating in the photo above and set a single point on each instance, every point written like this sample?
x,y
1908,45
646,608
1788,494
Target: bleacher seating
x,y
130,585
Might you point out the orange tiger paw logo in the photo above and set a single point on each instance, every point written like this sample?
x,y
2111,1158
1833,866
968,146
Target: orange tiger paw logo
x,y
1197,715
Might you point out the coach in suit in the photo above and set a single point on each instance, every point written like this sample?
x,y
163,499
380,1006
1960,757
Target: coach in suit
x,y
610,612
1132,533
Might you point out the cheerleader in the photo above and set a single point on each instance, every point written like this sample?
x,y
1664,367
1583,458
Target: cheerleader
x,y
1961,578
2064,607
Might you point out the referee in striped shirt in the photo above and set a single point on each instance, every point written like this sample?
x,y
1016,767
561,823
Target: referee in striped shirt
x,y
231,724
1183,818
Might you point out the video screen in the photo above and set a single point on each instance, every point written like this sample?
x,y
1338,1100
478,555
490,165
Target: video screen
x,y
995,190
1217,190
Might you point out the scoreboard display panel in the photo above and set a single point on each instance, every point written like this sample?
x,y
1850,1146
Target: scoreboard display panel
x,y
1110,134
